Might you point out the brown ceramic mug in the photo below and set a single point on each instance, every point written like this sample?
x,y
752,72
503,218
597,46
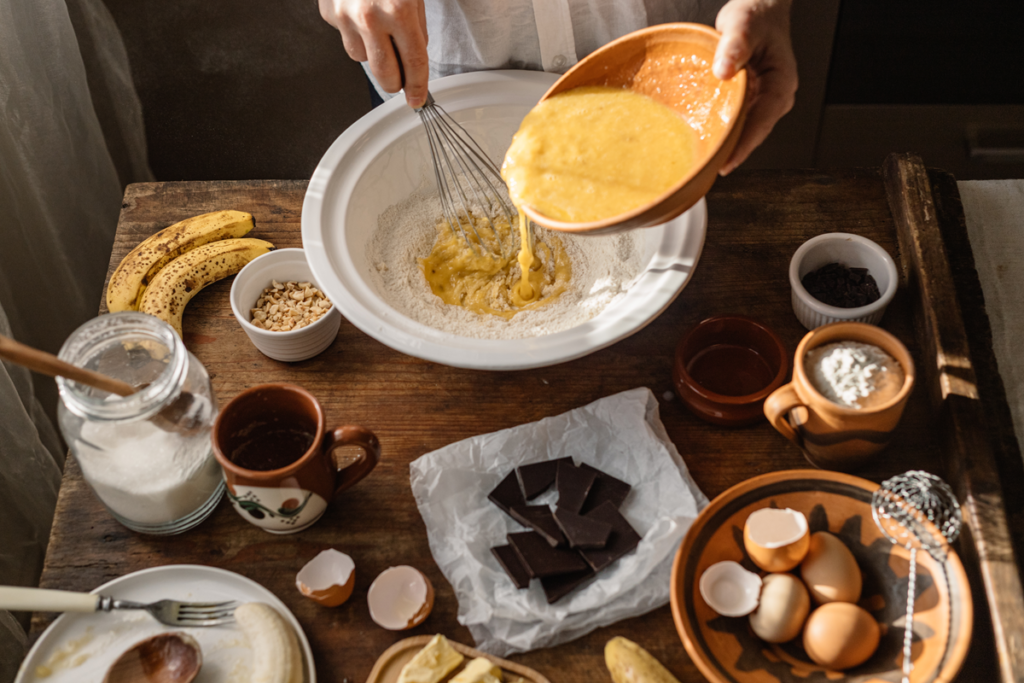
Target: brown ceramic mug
x,y
278,456
833,436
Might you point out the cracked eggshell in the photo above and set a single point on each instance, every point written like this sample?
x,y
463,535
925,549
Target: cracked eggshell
x,y
776,540
729,589
327,579
400,598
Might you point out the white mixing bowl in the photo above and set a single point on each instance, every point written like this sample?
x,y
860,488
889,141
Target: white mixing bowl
x,y
383,158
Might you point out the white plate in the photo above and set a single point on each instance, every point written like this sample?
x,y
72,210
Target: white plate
x,y
98,639
383,158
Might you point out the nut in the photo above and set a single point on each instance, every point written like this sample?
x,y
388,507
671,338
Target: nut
x,y
287,306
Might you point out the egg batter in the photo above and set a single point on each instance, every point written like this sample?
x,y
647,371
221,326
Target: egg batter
x,y
483,281
595,152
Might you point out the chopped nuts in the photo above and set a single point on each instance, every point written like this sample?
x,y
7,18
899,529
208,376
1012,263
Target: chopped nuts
x,y
289,306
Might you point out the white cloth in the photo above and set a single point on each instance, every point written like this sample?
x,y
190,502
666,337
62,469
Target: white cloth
x,y
538,35
994,211
621,435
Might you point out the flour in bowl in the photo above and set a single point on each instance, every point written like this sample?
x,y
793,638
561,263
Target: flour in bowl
x,y
603,269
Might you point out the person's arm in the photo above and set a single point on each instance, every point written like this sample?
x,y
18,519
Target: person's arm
x,y
755,35
368,28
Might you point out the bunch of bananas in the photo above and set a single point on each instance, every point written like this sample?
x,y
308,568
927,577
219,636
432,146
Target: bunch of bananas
x,y
163,273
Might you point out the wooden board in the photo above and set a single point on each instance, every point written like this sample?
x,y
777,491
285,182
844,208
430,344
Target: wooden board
x,y
756,222
390,663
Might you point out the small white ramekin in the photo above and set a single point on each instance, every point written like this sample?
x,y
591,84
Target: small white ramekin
x,y
852,251
282,265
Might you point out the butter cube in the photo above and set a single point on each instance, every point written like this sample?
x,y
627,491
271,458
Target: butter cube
x,y
435,661
480,670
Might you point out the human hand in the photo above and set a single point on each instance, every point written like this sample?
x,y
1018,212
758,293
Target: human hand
x,y
371,31
755,35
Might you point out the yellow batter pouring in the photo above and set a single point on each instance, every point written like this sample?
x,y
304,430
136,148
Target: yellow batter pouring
x,y
583,155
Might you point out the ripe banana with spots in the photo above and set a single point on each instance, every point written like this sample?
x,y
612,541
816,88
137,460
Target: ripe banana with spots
x,y
139,268
276,657
184,277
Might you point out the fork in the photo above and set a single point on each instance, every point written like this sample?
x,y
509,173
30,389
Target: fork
x,y
170,612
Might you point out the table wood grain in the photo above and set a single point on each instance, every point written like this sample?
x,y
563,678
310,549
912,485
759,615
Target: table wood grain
x,y
756,222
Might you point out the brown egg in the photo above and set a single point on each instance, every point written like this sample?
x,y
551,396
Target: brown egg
x,y
840,635
782,609
328,578
830,570
776,540
400,598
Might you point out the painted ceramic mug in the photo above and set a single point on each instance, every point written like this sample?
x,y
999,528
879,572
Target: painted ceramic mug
x,y
830,435
278,456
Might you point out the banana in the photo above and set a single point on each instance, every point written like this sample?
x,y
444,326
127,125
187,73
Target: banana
x,y
184,277
627,662
138,269
275,648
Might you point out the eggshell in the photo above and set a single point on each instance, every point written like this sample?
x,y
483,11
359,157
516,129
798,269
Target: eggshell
x,y
729,589
782,608
830,570
776,540
840,635
327,579
400,598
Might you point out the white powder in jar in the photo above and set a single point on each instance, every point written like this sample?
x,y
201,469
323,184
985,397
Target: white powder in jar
x,y
603,269
854,374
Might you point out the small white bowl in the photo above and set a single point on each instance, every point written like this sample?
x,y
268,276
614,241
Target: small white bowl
x,y
852,251
282,265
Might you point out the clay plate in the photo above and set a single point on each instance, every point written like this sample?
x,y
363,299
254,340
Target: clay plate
x,y
670,63
390,664
726,650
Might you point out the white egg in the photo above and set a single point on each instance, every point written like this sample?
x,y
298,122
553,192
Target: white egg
x,y
782,609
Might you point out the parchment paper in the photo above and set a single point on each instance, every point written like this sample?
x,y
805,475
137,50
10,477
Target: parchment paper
x,y
621,435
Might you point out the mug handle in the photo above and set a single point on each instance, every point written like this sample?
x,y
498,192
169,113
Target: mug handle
x,y
351,435
777,407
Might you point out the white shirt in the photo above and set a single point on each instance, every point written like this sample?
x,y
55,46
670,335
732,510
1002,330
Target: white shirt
x,y
539,35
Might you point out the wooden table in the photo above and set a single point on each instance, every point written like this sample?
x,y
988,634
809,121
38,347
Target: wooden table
x,y
757,220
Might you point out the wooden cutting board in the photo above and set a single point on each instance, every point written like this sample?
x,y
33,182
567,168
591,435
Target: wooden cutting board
x,y
390,664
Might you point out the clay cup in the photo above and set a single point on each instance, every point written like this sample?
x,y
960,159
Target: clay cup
x,y
295,494
832,436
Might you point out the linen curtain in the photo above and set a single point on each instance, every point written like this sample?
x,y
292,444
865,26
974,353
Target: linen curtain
x,y
71,136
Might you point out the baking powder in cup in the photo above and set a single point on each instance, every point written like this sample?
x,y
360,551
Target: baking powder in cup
x,y
621,435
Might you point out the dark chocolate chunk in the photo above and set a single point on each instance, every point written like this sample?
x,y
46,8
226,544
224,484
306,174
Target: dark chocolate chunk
x,y
557,587
536,478
582,532
573,485
621,541
507,494
541,559
606,487
540,519
513,566
836,285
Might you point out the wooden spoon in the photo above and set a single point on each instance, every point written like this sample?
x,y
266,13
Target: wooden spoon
x,y
169,418
173,657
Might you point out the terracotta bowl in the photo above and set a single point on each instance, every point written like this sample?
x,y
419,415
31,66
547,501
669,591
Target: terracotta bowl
x,y
726,366
726,650
670,63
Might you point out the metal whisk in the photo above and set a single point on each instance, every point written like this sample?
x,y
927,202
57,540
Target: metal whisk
x,y
916,510
469,183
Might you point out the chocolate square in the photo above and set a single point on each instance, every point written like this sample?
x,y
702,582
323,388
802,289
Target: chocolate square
x,y
513,566
541,559
540,519
573,485
537,477
557,587
582,532
623,538
507,493
606,487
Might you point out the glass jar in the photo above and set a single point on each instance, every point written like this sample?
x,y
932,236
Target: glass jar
x,y
147,456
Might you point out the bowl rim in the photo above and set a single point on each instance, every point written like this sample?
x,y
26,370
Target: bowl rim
x,y
956,649
235,295
729,135
704,392
835,311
